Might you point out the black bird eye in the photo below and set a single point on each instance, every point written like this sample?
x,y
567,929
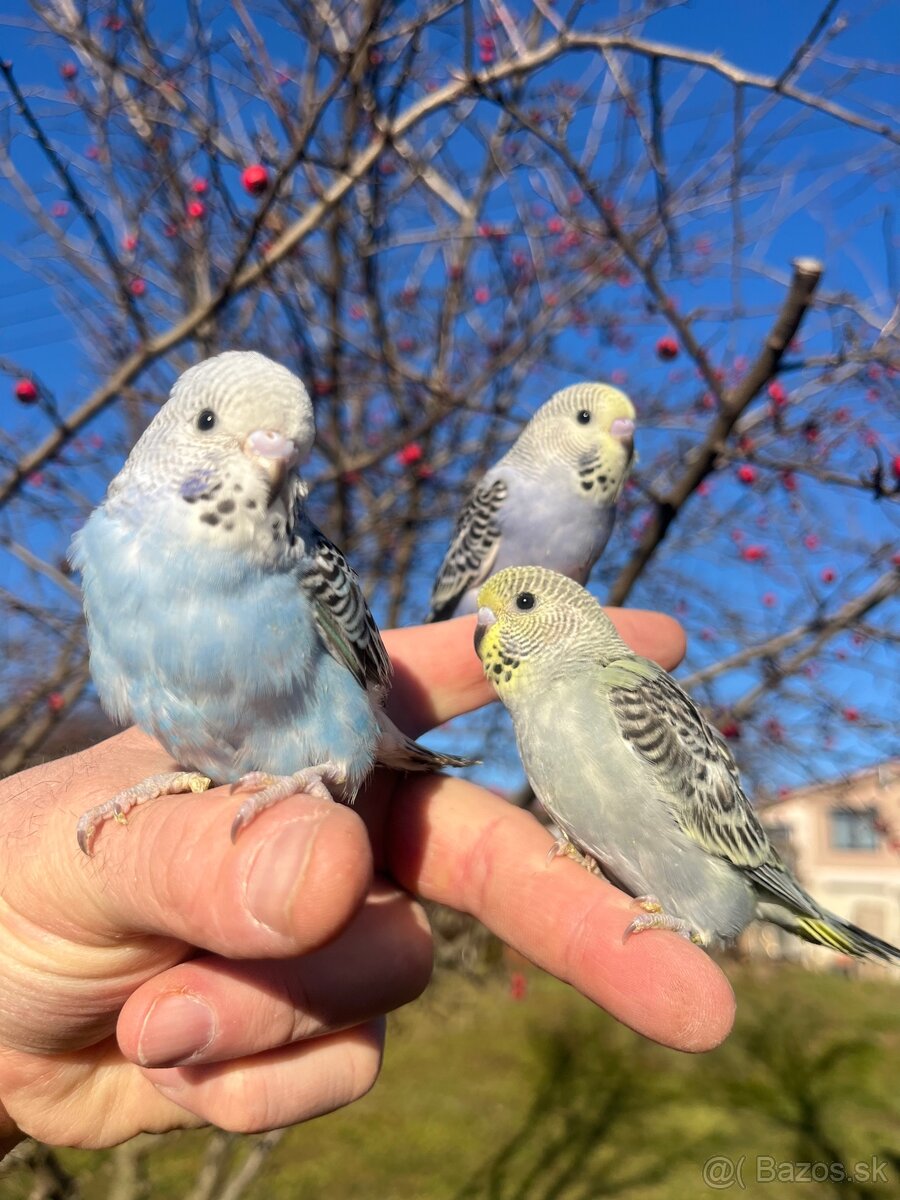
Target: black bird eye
x,y
525,601
206,420
584,417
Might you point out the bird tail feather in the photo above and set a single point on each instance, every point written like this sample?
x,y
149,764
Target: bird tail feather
x,y
410,756
839,935
397,750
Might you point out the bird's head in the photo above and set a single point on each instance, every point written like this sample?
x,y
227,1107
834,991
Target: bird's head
x,y
588,427
222,451
534,624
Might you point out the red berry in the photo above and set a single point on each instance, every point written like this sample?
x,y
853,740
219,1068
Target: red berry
x,y
129,242
811,541
482,295
754,553
769,599
730,730
789,480
747,474
556,225
777,393
26,391
666,348
199,186
828,575
851,714
895,465
518,986
56,702
137,287
255,179
409,454
196,209
68,70
60,209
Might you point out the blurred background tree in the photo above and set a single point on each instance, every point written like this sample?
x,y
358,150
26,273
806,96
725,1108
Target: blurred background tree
x,y
438,214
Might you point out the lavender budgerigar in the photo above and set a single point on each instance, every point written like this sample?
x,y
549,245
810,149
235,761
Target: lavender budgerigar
x,y
550,500
633,774
220,619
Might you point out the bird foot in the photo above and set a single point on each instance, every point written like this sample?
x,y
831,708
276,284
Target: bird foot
x,y
562,847
269,789
654,918
171,784
648,904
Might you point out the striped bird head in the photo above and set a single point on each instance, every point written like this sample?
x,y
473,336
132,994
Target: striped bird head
x,y
217,464
588,429
535,624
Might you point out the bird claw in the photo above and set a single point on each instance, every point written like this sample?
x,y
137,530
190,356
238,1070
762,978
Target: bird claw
x,y
170,784
563,848
655,918
269,789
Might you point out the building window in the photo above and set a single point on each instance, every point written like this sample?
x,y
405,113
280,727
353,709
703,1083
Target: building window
x,y
853,829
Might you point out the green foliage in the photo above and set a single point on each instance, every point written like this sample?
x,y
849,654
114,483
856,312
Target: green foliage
x,y
486,1098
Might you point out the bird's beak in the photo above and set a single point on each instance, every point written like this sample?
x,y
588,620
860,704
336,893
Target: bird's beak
x,y
622,428
486,619
274,454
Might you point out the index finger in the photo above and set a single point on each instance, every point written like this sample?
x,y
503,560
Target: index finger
x,y
453,842
437,674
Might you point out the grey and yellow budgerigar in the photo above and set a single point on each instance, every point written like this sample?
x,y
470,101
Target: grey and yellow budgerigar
x,y
632,773
551,499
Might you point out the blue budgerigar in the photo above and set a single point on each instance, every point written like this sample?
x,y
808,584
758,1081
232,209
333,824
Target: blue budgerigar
x,y
634,775
220,619
550,500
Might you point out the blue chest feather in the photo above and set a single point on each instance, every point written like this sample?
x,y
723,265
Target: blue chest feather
x,y
218,658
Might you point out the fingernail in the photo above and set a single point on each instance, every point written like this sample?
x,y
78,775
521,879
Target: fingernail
x,y
278,871
177,1027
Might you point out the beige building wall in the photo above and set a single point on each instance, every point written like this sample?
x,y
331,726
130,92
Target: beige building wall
x,y
843,840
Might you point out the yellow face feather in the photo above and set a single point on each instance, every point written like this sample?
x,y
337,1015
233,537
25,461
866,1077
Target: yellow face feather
x,y
588,427
534,623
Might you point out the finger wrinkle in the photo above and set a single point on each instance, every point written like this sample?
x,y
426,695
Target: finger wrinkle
x,y
477,875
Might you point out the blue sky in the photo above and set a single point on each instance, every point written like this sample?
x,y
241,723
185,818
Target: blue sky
x,y
835,200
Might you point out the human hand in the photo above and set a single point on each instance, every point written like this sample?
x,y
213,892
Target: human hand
x,y
288,940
